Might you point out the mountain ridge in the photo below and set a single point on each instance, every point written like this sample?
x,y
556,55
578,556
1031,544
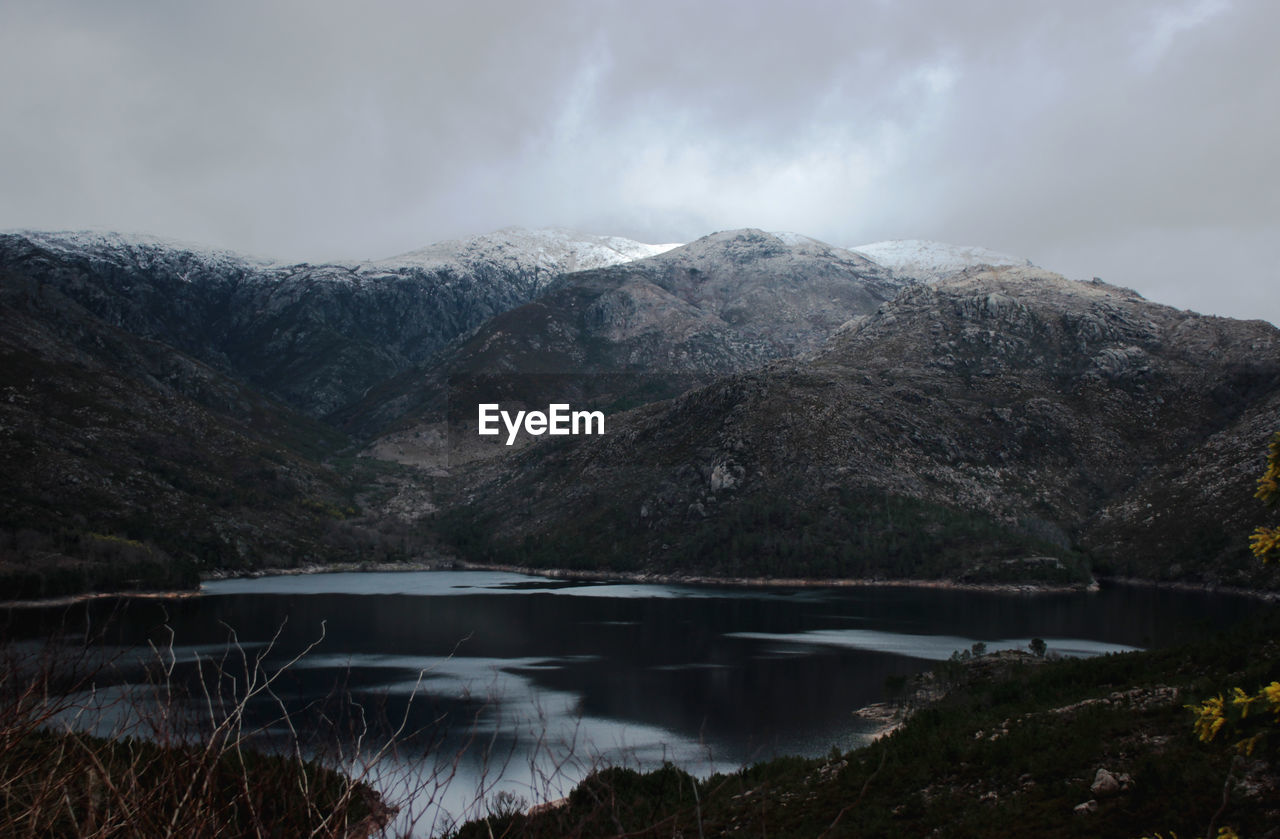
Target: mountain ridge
x,y
315,336
777,406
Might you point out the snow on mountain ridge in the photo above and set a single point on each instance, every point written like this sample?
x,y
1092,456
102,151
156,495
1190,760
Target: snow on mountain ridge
x,y
789,238
552,251
751,239
548,249
802,242
106,242
929,261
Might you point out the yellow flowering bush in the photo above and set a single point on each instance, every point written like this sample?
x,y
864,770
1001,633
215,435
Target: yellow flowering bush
x,y
1265,542
1249,719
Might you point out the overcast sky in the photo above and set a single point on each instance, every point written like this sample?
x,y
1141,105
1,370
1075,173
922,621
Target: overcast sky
x,y
1135,141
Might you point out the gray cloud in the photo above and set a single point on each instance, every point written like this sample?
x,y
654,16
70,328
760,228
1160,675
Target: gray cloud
x,y
1136,141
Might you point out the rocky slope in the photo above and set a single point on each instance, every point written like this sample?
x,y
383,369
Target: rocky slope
x,y
315,336
1004,423
633,333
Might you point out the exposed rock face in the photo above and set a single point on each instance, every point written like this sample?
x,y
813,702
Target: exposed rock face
x,y
316,336
1043,412
781,293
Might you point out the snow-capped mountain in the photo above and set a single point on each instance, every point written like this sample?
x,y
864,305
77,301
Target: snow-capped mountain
x,y
316,336
138,247
554,249
827,401
551,251
925,261
654,327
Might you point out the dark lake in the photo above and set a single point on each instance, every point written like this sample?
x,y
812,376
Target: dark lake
x,y
537,680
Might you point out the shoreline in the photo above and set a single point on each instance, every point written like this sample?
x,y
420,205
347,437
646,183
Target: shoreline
x,y
1175,585
642,577
772,582
71,599
224,574
332,568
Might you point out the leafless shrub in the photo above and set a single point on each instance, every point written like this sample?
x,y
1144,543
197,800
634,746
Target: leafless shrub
x,y
186,761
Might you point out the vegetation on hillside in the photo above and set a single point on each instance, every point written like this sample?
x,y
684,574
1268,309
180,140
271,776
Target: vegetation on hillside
x,y
846,533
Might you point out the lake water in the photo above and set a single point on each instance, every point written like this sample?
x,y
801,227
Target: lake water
x,y
535,680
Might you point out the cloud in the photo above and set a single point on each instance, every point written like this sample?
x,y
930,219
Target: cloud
x,y
1169,23
1082,136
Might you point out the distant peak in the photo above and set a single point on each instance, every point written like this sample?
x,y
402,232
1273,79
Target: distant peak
x,y
753,243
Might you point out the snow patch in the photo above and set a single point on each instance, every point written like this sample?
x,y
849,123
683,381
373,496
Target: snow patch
x,y
545,254
555,250
928,261
794,239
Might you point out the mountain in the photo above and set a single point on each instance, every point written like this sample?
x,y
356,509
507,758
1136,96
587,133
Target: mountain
x,y
633,333
129,464
314,336
145,431
1001,424
919,260
776,406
